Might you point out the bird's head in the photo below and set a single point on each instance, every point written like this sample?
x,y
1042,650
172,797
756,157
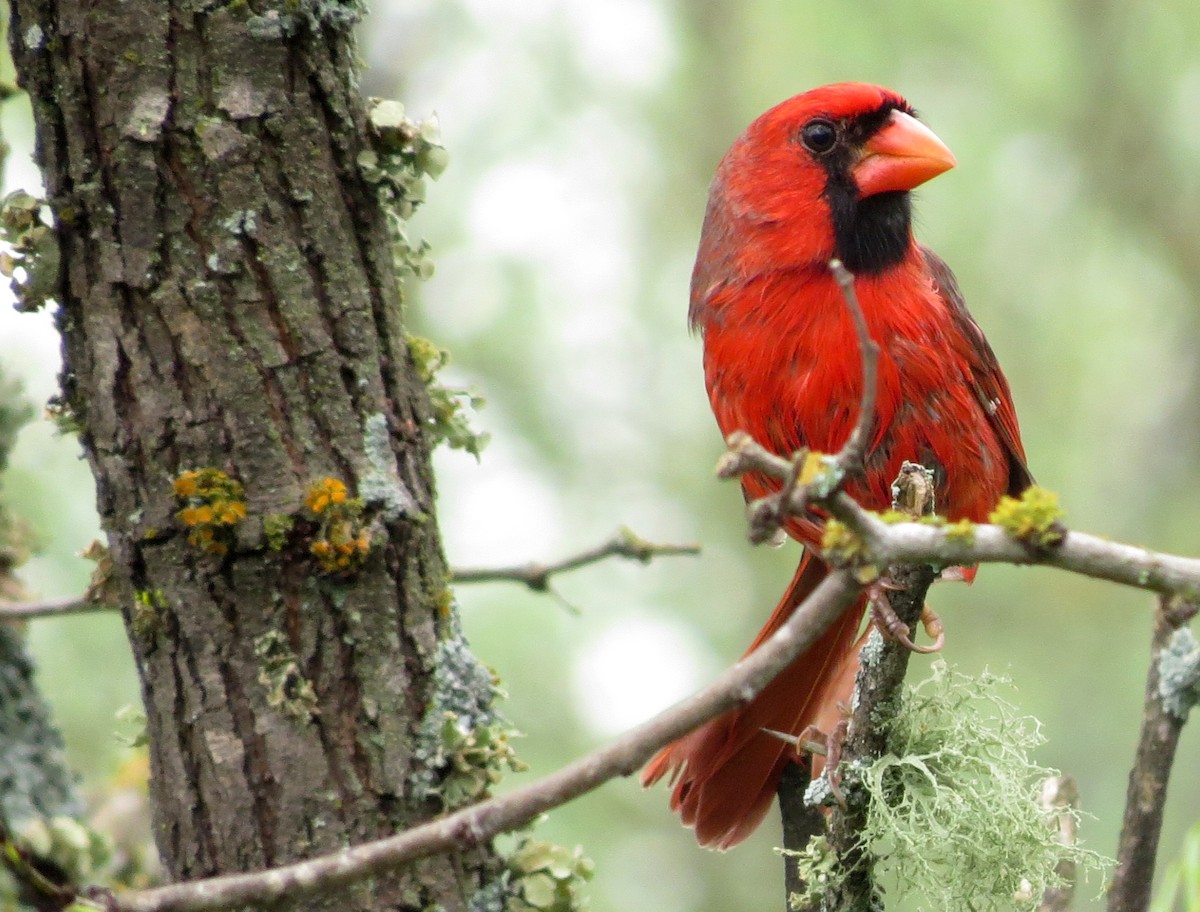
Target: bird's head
x,y
825,174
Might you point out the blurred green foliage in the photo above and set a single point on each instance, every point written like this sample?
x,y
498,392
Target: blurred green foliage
x,y
582,139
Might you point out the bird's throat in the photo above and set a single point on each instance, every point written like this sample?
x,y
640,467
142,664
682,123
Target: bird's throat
x,y
871,234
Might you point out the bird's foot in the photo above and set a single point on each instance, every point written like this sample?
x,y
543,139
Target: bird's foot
x,y
893,628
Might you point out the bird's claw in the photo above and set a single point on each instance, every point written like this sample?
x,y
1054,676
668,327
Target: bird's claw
x,y
890,626
933,629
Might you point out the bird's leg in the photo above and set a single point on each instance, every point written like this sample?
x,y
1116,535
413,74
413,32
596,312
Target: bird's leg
x,y
884,618
817,743
810,741
834,742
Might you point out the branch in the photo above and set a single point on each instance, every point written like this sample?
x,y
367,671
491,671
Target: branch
x,y
1170,693
481,822
536,576
624,543
877,694
801,822
885,544
59,607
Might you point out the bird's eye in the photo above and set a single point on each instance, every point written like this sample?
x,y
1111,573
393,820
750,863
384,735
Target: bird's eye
x,y
818,136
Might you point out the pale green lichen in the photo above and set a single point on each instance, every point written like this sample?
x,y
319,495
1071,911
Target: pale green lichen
x,y
1179,673
817,867
75,852
135,717
29,253
544,877
491,897
279,672
449,421
953,818
1034,518
403,153
872,649
463,744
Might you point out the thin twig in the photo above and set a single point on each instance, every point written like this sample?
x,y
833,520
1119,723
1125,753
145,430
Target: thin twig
x,y
766,515
536,576
854,451
483,821
623,543
59,607
1163,715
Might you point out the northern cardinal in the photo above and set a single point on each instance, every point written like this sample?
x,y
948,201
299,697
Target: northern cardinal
x,y
827,174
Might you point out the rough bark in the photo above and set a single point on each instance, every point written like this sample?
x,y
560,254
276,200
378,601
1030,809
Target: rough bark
x,y
228,300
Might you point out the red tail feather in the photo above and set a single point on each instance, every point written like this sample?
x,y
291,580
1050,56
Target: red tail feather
x,y
726,772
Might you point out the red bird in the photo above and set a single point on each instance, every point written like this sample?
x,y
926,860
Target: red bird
x,y
827,174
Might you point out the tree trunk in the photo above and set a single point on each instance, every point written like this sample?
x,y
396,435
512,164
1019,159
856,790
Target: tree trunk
x,y
229,308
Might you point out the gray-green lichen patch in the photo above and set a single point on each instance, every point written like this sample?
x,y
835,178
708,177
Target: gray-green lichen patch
x,y
380,484
463,744
1179,673
35,782
219,139
872,649
279,672
149,113
314,15
492,896
242,222
34,37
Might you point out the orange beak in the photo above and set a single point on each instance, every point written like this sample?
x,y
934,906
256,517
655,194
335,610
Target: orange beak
x,y
903,154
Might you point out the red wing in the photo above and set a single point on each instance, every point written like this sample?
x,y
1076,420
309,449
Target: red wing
x,y
991,388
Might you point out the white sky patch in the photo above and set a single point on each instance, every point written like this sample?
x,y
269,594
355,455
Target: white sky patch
x,y
627,41
563,212
500,511
634,668
510,16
